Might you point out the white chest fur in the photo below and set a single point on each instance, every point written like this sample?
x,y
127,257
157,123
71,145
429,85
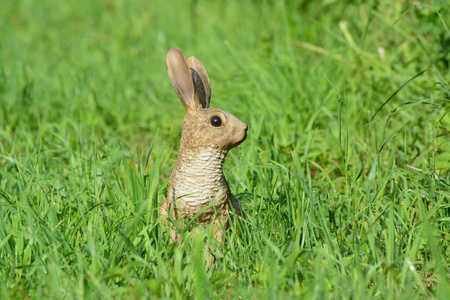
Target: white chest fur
x,y
197,181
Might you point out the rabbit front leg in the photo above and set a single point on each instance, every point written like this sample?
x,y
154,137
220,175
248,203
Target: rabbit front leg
x,y
219,225
169,211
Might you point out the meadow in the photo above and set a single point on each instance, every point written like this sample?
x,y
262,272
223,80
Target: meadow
x,y
344,176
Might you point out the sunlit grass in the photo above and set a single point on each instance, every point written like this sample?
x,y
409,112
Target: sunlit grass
x,y
344,176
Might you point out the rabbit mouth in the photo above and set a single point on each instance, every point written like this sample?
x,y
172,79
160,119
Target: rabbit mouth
x,y
244,136
241,139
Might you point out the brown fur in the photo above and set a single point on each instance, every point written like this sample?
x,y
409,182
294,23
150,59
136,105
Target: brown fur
x,y
197,186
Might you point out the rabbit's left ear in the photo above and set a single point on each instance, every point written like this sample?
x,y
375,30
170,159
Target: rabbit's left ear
x,y
201,81
181,78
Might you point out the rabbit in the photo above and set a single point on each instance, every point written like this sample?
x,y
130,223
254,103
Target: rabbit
x,y
197,186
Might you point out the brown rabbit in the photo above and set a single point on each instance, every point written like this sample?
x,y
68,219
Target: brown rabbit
x,y
197,185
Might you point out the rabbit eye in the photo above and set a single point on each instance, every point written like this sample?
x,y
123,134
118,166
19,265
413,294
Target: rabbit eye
x,y
216,121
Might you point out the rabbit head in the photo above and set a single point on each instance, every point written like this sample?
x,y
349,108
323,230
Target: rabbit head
x,y
203,126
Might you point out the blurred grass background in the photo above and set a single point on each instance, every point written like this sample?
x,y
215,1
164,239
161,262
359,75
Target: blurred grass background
x,y
344,175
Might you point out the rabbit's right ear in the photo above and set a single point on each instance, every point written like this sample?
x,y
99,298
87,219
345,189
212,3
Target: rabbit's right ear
x,y
180,76
201,81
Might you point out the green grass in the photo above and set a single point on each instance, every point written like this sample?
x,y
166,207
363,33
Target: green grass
x,y
345,175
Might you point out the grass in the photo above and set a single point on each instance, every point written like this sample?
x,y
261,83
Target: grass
x,y
344,176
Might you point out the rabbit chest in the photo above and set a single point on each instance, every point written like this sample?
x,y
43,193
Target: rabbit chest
x,y
197,181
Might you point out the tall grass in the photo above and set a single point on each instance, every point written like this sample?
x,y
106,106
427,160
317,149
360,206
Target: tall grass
x,y
344,176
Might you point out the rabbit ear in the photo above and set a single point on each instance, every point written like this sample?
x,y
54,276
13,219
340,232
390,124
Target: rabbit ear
x,y
180,76
201,81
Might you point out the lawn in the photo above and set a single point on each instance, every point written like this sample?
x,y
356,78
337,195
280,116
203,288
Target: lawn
x,y
344,176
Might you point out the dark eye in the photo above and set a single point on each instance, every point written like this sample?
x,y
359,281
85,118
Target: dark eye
x,y
216,121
